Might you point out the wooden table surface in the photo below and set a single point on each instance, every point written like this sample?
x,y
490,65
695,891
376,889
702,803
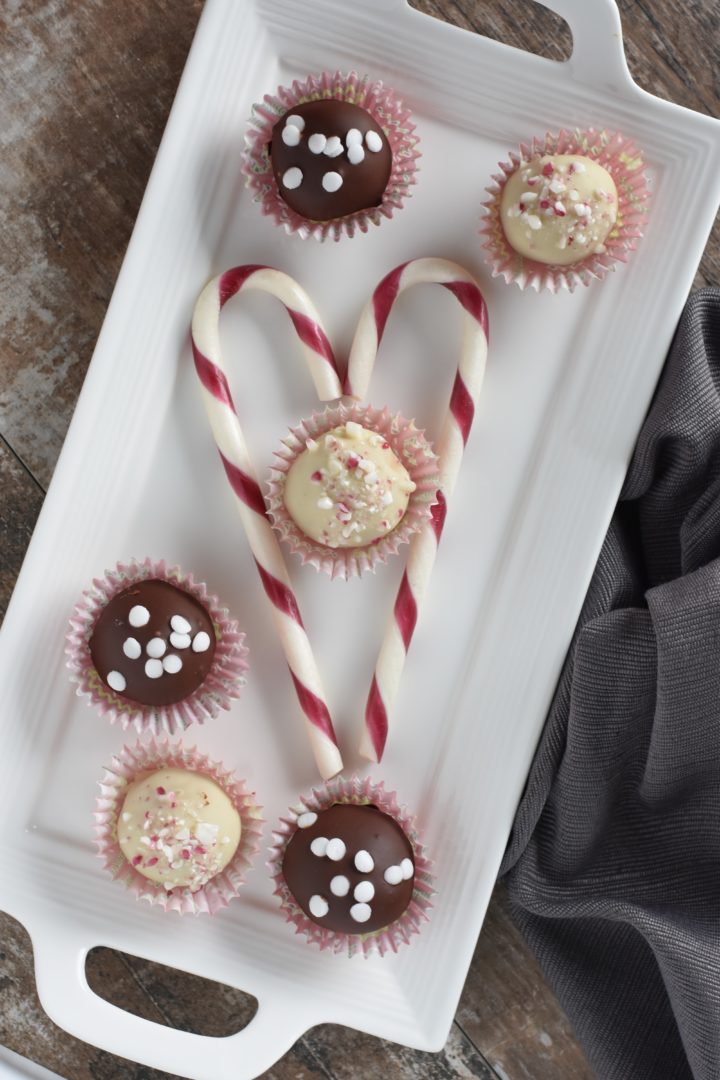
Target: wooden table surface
x,y
85,88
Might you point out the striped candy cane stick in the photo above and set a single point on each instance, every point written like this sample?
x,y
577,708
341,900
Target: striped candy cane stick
x,y
241,474
450,447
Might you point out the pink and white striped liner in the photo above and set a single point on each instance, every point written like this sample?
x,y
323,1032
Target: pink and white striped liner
x,y
133,762
456,428
622,159
243,480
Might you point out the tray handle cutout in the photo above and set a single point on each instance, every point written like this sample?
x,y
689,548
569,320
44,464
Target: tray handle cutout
x,y
70,1002
598,53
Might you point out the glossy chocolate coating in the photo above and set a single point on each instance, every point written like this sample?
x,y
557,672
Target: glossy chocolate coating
x,y
361,828
113,629
363,185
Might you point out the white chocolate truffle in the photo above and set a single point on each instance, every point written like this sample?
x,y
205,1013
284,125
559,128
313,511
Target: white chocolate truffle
x,y
178,828
348,488
558,209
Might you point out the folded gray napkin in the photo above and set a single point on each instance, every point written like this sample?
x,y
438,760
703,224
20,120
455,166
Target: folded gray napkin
x,y
613,866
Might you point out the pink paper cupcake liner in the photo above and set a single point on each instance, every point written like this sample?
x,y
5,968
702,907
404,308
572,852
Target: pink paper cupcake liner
x,y
622,159
360,792
389,113
133,762
225,679
410,446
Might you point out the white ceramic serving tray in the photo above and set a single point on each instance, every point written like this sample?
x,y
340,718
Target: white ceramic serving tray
x,y
569,379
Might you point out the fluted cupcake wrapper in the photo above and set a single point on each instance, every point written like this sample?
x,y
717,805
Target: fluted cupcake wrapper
x,y
360,792
132,763
224,681
622,159
411,447
389,113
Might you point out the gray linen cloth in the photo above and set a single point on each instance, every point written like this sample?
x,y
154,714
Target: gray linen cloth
x,y
613,866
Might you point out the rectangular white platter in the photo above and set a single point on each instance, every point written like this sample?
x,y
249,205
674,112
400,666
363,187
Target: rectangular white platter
x,y
568,382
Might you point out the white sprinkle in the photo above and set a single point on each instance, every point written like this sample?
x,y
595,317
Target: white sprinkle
x,y
534,221
316,143
292,178
179,641
319,907
180,624
336,849
364,892
340,886
373,141
364,862
296,121
407,869
325,503
156,647
333,147
132,648
201,642
393,875
319,846
306,820
360,912
153,669
355,154
332,181
116,681
290,135
206,833
139,615
353,136
172,664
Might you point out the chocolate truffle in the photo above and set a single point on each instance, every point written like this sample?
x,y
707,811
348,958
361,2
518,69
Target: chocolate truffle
x,y
348,488
178,828
330,159
153,643
558,209
350,868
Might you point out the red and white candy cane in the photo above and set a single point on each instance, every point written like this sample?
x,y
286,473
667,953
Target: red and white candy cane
x,y
450,447
241,473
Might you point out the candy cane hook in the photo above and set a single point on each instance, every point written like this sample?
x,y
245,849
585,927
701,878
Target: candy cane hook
x,y
241,474
451,444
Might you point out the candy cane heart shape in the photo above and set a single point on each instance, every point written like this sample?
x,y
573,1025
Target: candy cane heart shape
x,y
450,446
241,474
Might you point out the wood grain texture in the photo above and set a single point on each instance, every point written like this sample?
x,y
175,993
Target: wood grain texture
x,y
84,95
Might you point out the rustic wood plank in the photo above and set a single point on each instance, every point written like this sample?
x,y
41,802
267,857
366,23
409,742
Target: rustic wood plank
x,y
20,505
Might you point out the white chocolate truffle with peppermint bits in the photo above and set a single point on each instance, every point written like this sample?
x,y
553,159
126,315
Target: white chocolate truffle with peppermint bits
x,y
559,209
178,828
348,488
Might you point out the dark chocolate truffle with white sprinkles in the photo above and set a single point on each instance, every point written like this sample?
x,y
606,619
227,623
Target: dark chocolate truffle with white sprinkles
x,y
351,870
154,643
151,648
330,158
